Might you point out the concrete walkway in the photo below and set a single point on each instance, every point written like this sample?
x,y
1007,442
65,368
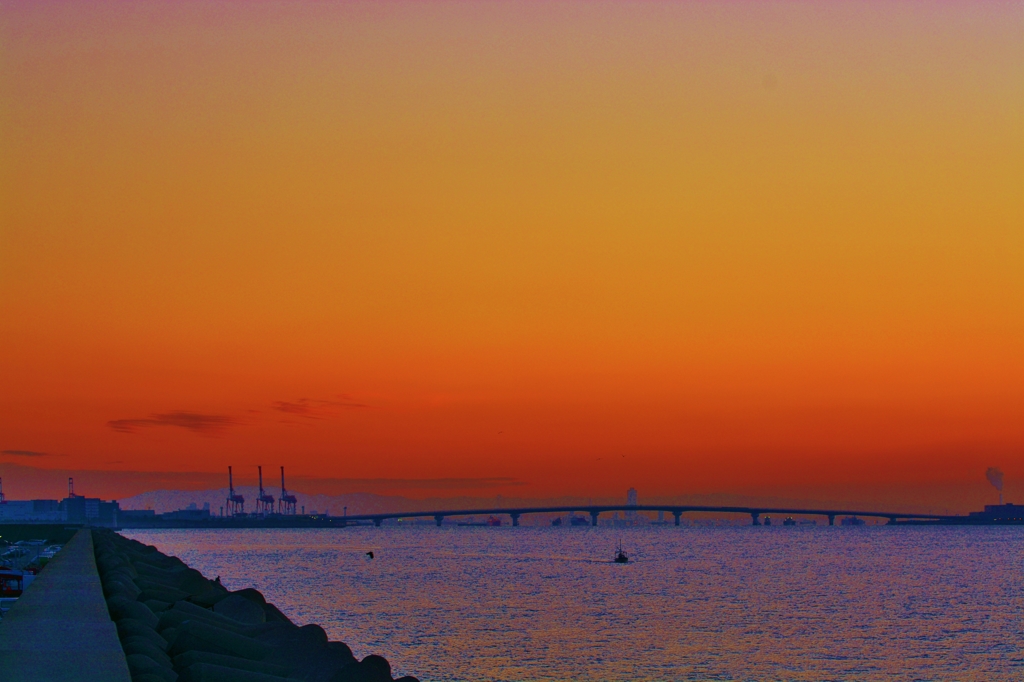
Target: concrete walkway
x,y
60,629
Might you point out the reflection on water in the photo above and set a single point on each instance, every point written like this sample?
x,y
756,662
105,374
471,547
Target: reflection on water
x,y
743,603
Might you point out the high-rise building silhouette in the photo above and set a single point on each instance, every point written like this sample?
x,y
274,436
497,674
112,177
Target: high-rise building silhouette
x,y
631,501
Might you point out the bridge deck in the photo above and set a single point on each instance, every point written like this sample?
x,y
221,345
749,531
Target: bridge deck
x,y
672,509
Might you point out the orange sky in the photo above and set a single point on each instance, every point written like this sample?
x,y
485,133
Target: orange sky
x,y
689,247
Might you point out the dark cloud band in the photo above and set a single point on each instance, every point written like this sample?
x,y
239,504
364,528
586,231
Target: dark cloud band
x,y
25,453
208,424
315,409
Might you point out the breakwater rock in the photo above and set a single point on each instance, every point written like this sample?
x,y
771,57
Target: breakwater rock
x,y
176,625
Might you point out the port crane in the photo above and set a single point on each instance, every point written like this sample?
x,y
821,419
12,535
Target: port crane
x,y
286,503
265,502
236,503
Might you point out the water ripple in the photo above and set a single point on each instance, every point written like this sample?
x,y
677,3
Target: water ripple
x,y
512,604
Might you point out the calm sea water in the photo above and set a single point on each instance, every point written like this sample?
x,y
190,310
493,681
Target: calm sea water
x,y
733,603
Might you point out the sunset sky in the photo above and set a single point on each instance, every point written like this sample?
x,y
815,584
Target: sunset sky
x,y
530,248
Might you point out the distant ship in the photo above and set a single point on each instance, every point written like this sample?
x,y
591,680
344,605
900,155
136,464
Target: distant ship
x,y
491,521
578,521
851,521
789,521
557,522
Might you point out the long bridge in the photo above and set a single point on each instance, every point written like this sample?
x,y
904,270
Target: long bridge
x,y
677,511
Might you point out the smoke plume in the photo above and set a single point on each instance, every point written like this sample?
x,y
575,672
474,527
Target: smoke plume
x,y
995,477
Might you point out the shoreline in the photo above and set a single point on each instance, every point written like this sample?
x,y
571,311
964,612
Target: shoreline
x,y
176,625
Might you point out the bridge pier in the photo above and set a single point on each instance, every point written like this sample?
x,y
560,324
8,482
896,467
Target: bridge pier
x,y
758,517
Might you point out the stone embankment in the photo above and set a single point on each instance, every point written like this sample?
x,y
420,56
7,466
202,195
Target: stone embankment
x,y
177,626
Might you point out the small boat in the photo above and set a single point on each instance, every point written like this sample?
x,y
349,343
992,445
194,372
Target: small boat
x,y
620,556
557,522
789,521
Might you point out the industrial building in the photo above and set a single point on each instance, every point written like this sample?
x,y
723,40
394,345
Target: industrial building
x,y
31,511
78,509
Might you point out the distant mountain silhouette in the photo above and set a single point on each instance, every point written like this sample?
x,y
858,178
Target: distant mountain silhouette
x,y
168,491
162,501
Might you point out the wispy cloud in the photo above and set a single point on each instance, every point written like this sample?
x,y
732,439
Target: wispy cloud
x,y
26,453
337,486
437,483
206,424
35,480
317,409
